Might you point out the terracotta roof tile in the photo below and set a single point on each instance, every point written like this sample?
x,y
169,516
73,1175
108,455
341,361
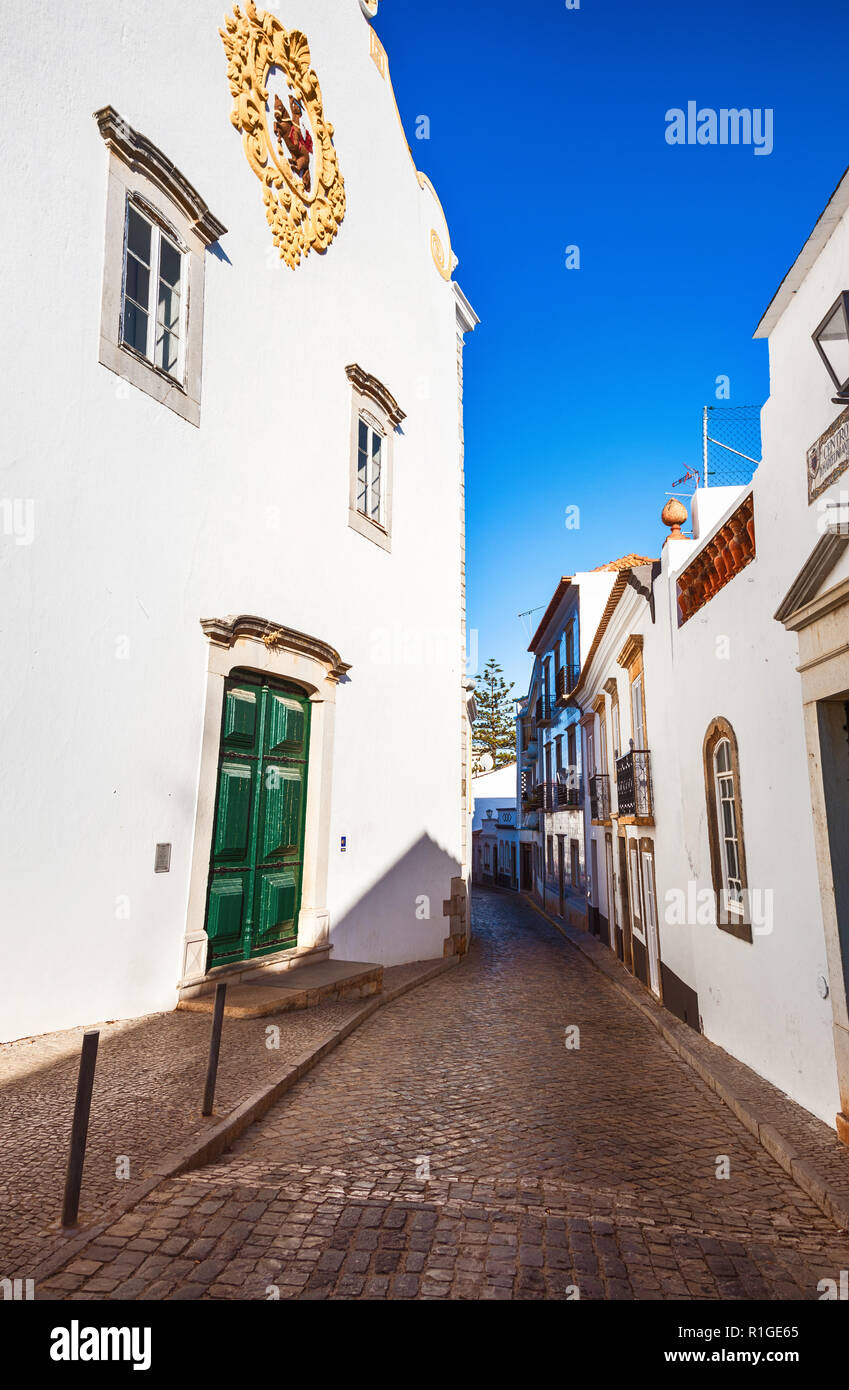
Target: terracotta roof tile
x,y
626,562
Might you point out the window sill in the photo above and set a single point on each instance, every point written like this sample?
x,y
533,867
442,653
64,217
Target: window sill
x,y
372,530
131,367
741,930
152,367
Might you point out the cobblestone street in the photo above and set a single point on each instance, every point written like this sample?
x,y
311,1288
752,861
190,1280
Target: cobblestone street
x,y
550,1169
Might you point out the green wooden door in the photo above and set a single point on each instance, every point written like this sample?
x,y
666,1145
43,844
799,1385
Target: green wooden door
x,y
258,840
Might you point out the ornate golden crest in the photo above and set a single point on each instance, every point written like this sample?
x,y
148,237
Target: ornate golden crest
x,y
302,188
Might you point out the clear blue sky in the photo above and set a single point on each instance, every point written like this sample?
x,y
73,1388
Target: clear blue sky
x,y
585,387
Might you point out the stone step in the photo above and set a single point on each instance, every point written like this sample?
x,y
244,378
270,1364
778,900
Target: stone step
x,y
301,987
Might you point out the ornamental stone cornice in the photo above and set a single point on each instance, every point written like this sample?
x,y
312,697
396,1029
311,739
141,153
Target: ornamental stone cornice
x,y
225,632
805,587
369,386
139,153
631,650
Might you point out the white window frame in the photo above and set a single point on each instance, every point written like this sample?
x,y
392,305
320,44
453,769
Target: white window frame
x,y
374,405
151,309
638,717
732,886
368,424
162,195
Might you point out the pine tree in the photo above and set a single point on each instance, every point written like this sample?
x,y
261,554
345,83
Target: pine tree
x,y
494,729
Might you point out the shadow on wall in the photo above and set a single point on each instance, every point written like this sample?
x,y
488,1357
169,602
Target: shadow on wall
x,y
400,918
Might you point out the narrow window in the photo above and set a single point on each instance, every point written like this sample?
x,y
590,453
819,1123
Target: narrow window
x,y
152,309
369,472
617,738
725,829
637,716
728,825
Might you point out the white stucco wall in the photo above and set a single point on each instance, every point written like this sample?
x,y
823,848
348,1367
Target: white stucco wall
x,y
145,524
491,790
760,1000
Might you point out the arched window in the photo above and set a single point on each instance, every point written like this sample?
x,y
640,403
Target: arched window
x,y
725,829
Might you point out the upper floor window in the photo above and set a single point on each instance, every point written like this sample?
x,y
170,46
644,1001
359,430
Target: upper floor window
x,y
729,824
369,472
725,829
376,420
154,293
158,229
638,716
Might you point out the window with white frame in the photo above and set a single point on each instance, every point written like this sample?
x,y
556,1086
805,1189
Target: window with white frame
x,y
370,471
726,840
637,713
376,422
153,293
728,826
158,231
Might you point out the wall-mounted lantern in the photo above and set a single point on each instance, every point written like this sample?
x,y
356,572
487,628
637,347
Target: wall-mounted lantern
x,y
832,343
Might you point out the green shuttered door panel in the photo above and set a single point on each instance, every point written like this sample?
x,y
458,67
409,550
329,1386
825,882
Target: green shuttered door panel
x,y
258,841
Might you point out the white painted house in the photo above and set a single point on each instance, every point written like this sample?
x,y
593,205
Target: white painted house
x,y
495,854
232,449
722,821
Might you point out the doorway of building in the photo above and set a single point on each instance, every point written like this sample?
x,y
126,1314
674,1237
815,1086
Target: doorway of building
x,y
651,926
627,930
561,874
612,913
256,865
525,854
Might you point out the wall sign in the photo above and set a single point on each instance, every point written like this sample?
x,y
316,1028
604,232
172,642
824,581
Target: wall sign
x,y
829,457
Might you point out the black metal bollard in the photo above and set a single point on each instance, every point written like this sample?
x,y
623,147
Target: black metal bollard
x,y
214,1049
79,1128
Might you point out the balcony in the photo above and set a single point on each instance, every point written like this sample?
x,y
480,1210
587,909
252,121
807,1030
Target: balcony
x,y
545,712
531,749
600,796
567,679
567,795
633,784
531,795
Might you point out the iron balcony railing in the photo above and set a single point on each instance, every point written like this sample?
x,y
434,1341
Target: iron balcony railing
x,y
567,679
600,796
565,795
633,783
531,794
545,711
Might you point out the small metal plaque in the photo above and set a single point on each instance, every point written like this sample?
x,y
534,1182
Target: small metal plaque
x,y
162,862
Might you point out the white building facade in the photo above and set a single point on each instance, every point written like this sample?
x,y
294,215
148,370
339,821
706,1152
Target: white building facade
x,y
495,859
233,541
722,821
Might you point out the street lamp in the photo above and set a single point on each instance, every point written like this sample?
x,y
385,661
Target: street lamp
x,y
831,340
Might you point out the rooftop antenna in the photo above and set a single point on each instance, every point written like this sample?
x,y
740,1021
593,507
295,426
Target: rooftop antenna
x,y
527,613
691,476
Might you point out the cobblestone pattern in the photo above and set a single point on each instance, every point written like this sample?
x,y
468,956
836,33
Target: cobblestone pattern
x,y
147,1094
551,1169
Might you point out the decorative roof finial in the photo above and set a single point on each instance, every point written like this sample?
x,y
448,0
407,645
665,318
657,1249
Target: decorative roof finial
x,y
674,515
